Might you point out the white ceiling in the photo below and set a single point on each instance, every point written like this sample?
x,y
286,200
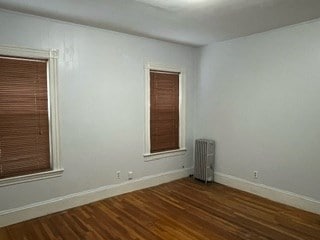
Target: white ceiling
x,y
194,22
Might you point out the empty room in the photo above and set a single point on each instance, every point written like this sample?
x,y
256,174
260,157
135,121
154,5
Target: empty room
x,y
159,119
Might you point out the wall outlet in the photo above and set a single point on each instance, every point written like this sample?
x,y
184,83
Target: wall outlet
x,y
255,174
130,175
118,175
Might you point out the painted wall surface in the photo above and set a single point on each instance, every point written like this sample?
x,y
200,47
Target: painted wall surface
x,y
101,104
258,97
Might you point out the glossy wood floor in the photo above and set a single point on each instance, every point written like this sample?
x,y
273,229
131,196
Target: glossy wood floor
x,y
185,209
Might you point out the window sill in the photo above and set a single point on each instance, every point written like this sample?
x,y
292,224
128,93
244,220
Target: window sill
x,y
155,156
30,177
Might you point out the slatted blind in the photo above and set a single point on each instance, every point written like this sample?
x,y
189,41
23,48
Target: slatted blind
x,y
164,111
24,125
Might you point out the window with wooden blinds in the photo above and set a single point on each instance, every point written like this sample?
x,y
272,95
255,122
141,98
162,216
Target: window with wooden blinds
x,y
164,111
24,123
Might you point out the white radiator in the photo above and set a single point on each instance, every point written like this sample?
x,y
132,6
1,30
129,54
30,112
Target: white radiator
x,y
204,159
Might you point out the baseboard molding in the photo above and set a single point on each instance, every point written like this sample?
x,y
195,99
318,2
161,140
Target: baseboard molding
x,y
11,216
277,195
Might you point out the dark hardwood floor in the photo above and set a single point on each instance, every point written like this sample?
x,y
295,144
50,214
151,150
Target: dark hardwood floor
x,y
185,209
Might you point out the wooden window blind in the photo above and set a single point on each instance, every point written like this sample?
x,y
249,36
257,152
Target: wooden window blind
x,y
164,111
24,124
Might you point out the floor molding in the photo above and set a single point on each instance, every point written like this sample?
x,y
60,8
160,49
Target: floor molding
x,y
275,194
11,216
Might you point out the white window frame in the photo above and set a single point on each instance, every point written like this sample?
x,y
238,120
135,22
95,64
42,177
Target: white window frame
x,y
148,156
52,81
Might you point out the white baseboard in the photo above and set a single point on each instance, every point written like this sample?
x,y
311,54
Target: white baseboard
x,y
277,195
11,216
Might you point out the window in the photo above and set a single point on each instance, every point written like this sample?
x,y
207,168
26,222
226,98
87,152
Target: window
x,y
164,112
28,115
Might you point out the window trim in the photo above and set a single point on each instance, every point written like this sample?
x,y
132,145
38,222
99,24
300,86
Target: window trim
x,y
54,137
148,156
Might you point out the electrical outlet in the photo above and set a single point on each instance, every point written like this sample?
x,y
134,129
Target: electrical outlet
x,y
255,174
130,175
117,174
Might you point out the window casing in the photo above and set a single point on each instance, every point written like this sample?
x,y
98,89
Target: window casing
x,y
46,116
178,108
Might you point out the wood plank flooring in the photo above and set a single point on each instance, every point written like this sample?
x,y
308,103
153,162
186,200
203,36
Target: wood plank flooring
x,y
185,209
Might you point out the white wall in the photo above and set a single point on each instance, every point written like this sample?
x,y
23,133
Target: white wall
x,y
101,96
258,97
